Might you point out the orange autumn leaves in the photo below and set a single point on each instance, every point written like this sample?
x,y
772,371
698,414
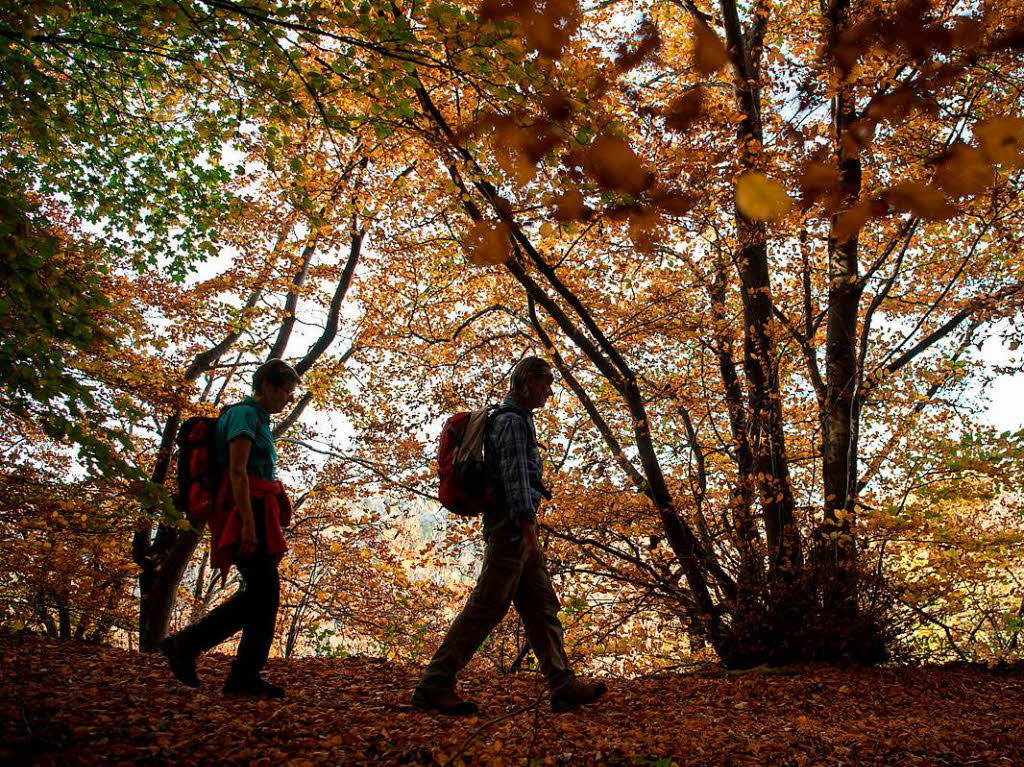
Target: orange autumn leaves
x,y
487,243
611,175
545,26
521,141
962,171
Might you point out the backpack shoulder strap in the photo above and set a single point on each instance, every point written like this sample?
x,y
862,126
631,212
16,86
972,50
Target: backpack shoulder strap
x,y
226,408
495,410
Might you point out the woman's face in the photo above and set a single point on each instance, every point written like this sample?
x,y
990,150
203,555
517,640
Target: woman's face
x,y
274,399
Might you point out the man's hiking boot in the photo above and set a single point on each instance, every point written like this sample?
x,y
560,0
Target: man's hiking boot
x,y
446,701
183,664
576,694
253,686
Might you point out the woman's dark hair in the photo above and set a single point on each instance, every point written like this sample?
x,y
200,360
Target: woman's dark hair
x,y
276,373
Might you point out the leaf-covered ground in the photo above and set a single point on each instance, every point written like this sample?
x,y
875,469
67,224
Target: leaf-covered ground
x,y
69,703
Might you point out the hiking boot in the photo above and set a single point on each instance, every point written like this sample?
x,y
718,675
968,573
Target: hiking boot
x,y
253,686
444,700
183,663
576,694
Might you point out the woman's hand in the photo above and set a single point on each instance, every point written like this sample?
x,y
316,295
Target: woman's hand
x,y
247,545
238,457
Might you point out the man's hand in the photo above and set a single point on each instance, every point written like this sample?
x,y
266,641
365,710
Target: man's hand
x,y
534,555
247,544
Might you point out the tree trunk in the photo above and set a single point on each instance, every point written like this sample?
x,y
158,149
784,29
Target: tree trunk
x,y
163,587
771,464
836,543
64,620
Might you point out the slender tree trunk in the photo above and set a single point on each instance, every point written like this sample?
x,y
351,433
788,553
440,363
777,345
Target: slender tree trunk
x,y
751,575
64,620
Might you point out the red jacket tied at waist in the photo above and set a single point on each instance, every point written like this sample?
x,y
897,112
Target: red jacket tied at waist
x,y
226,520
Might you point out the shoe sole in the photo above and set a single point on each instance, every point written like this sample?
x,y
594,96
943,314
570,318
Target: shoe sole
x,y
561,708
192,684
425,705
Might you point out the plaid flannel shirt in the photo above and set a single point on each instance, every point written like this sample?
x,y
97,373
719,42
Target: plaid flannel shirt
x,y
512,454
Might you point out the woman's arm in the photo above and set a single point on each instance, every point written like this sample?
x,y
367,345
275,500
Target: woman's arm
x,y
238,457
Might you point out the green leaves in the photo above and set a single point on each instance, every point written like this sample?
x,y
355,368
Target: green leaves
x,y
53,312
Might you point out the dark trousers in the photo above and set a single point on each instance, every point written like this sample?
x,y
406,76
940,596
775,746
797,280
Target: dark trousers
x,y
505,579
252,610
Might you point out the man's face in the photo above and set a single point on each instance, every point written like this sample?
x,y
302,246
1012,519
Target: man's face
x,y
277,398
538,389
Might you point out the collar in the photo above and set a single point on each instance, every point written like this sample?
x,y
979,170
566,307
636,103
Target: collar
x,y
264,415
512,402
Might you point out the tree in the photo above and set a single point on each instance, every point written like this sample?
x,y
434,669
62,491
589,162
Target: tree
x,y
761,244
764,583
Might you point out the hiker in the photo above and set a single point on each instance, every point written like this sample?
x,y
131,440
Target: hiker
x,y
513,568
245,530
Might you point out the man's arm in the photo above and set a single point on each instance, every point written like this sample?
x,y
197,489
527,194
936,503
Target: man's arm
x,y
534,554
514,464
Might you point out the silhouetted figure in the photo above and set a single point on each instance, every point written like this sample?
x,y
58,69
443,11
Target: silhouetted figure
x,y
513,567
246,531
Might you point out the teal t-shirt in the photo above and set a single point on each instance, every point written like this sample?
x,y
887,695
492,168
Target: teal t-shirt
x,y
252,421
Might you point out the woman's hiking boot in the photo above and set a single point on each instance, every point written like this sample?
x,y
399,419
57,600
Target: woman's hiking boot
x,y
253,686
443,700
182,662
576,694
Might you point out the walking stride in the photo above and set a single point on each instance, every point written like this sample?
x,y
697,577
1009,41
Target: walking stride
x,y
513,569
246,522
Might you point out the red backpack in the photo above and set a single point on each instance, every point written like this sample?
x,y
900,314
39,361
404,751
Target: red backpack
x,y
199,473
466,488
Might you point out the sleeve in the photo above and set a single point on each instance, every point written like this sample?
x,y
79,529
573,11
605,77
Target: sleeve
x,y
514,466
241,421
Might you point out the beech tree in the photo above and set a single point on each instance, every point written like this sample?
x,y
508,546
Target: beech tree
x,y
761,243
901,224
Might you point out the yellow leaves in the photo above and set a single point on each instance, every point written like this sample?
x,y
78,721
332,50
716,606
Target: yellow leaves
x,y
546,28
516,149
685,110
964,171
670,201
921,200
850,221
570,206
819,181
614,165
760,198
644,229
1002,140
650,42
487,243
709,53
548,230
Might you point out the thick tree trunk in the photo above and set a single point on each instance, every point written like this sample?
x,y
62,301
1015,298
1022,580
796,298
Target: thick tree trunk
x,y
836,542
771,464
163,589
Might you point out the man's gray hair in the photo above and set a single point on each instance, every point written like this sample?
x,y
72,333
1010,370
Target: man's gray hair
x,y
524,369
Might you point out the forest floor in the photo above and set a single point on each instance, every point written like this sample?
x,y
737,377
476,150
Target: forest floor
x,y
68,703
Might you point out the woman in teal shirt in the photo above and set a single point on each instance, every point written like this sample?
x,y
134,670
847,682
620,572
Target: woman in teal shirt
x,y
245,531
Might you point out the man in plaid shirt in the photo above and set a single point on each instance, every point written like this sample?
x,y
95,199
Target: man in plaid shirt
x,y
513,570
